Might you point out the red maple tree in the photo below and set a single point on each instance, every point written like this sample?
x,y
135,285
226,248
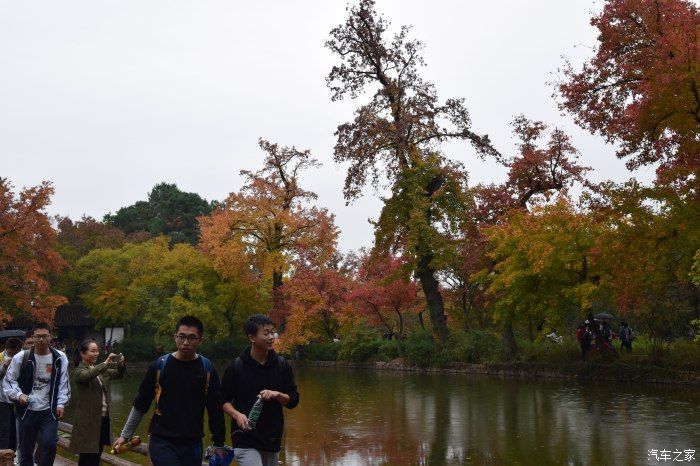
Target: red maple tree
x,y
641,88
27,255
384,293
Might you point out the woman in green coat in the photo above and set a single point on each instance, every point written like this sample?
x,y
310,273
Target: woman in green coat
x,y
91,398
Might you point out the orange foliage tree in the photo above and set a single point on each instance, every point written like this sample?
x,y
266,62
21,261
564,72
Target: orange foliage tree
x,y
27,255
317,301
270,221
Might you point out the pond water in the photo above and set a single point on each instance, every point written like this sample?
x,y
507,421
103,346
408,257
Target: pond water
x,y
362,417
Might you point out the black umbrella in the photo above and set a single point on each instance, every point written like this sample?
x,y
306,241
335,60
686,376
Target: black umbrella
x,y
604,316
11,333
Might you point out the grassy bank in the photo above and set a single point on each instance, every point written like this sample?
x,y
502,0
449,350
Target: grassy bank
x,y
482,351
477,351
588,371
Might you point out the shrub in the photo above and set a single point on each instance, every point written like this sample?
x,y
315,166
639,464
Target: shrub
x,y
360,344
684,354
548,351
223,349
476,346
137,348
321,351
388,350
420,347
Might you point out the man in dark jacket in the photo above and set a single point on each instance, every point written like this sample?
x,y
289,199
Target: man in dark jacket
x,y
183,384
258,373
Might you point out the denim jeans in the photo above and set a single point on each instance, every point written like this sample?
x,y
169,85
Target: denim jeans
x,y
164,452
40,429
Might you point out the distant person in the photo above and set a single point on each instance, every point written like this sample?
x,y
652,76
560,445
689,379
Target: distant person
x,y
626,336
258,373
8,424
583,335
183,384
607,333
37,380
91,402
28,343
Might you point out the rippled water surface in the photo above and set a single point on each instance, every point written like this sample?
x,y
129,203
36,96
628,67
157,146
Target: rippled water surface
x,y
356,417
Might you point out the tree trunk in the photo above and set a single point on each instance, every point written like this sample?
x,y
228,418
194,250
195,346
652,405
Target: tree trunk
x,y
400,335
431,289
465,308
277,304
509,345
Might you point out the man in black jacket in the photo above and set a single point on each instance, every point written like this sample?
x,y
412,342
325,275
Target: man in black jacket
x,y
183,384
258,372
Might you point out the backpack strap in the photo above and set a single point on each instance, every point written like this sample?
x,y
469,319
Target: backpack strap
x,y
162,361
208,370
25,359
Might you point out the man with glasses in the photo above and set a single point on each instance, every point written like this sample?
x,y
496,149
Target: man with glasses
x,y
183,384
37,380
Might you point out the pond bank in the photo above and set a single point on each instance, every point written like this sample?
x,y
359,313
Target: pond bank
x,y
614,372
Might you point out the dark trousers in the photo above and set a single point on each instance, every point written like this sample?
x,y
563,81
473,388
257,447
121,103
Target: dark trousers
x,y
164,452
38,429
93,459
585,348
8,431
625,345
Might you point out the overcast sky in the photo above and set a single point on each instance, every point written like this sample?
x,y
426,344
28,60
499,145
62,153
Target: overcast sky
x,y
108,98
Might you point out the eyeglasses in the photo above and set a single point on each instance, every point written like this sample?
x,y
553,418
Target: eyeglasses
x,y
42,337
190,338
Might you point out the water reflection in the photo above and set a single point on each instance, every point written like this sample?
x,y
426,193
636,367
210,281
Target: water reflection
x,y
353,417
370,418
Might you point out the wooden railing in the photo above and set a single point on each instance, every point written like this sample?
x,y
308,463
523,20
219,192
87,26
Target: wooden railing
x,y
106,457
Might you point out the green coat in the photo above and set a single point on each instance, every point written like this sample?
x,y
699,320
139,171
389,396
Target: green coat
x,y
87,404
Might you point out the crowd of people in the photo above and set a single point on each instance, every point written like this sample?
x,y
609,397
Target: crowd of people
x,y
594,334
182,384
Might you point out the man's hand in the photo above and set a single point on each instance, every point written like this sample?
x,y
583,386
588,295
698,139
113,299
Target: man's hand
x,y
279,397
23,399
118,443
268,395
59,412
241,421
220,452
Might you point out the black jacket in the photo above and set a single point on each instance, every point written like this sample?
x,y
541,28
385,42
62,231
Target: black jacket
x,y
243,380
182,402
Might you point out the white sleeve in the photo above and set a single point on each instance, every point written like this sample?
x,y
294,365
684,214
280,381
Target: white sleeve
x,y
63,385
9,383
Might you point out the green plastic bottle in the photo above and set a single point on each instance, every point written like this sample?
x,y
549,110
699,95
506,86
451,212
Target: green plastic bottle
x,y
254,414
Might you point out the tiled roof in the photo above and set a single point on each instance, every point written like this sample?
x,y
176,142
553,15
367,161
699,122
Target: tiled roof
x,y
21,322
73,315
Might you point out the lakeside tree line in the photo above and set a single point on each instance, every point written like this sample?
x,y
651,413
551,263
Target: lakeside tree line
x,y
520,259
